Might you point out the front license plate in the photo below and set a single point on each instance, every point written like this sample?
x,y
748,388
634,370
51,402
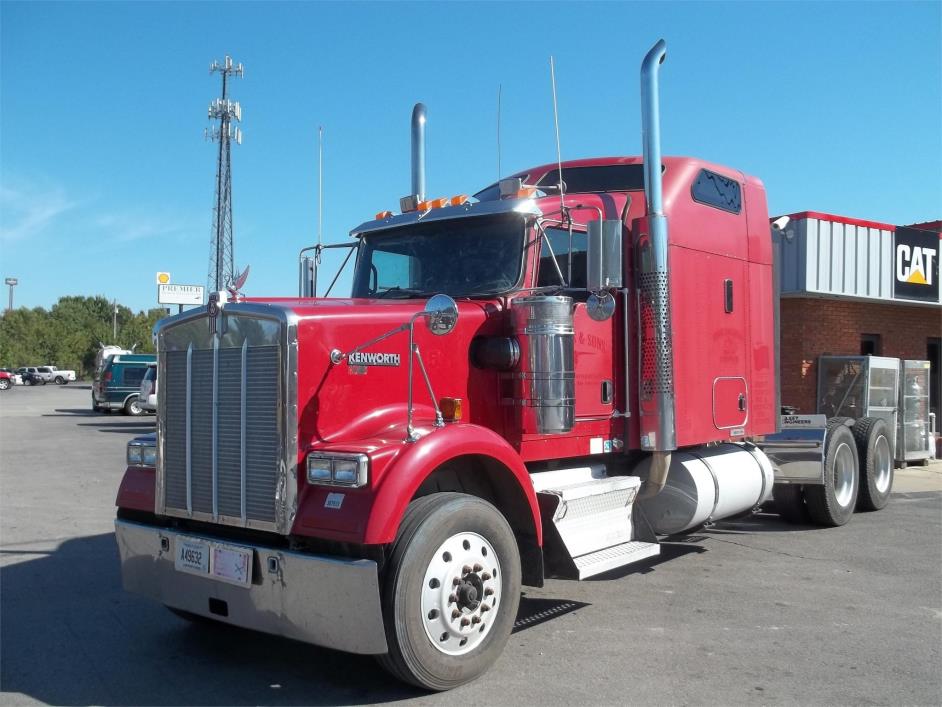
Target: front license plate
x,y
192,556
214,560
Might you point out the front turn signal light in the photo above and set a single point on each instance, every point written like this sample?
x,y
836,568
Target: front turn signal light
x,y
451,409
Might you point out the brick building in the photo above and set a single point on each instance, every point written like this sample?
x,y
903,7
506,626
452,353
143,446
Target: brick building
x,y
853,287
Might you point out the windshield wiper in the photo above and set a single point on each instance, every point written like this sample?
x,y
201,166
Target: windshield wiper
x,y
407,291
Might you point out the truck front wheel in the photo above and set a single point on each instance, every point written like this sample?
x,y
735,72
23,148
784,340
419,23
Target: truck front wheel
x,y
451,591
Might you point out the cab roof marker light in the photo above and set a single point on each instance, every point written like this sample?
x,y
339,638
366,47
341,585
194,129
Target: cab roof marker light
x,y
383,214
458,200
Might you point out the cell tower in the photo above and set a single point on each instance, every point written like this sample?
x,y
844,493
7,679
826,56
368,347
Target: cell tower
x,y
221,267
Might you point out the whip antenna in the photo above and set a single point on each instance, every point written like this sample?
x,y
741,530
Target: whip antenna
x,y
559,158
499,88
320,184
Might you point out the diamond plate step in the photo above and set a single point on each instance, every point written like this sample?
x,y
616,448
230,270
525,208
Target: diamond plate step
x,y
611,557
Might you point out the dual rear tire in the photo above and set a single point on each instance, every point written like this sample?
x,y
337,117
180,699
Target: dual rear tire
x,y
858,474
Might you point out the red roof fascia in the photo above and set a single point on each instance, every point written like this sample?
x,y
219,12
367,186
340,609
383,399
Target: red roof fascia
x,y
842,219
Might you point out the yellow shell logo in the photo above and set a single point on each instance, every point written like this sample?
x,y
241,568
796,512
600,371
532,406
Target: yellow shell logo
x,y
163,278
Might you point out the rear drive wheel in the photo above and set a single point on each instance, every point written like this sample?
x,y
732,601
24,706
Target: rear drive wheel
x,y
876,463
60,380
133,407
451,591
790,503
833,502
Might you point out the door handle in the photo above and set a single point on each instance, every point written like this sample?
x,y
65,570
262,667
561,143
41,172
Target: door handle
x,y
742,402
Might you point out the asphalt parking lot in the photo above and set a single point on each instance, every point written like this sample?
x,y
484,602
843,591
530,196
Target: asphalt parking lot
x,y
747,612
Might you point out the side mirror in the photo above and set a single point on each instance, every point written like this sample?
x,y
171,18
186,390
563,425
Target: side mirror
x,y
603,255
442,314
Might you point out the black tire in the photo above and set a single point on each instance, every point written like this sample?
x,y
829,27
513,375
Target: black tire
x,y
429,524
790,503
876,463
60,380
132,407
4,383
832,504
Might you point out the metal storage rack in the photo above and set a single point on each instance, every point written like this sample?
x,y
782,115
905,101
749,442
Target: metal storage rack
x,y
913,430
860,386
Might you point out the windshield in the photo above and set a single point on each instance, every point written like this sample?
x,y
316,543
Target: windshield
x,y
459,257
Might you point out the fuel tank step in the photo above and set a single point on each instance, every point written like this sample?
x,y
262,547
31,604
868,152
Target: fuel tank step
x,y
590,522
618,556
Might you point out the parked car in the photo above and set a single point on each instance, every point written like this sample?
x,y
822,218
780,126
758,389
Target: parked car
x,y
118,386
148,394
6,380
57,375
15,378
31,375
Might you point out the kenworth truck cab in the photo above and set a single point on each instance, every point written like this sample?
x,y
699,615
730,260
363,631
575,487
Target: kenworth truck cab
x,y
538,381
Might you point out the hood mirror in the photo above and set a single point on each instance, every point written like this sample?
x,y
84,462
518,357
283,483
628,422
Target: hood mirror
x,y
442,314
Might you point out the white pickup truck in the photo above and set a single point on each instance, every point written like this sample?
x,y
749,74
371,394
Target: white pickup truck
x,y
52,374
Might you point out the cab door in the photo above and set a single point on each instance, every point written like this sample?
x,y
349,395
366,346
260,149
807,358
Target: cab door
x,y
593,341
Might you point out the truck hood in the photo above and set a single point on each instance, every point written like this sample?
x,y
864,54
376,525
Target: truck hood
x,y
364,397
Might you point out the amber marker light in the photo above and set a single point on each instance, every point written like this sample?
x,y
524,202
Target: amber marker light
x,y
383,214
458,200
451,409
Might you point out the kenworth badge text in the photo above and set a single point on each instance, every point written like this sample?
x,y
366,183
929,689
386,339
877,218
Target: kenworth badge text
x,y
541,380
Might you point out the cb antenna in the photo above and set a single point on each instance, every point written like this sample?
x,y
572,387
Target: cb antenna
x,y
559,158
320,184
499,88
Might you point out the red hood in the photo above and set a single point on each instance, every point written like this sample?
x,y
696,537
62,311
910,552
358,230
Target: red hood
x,y
362,406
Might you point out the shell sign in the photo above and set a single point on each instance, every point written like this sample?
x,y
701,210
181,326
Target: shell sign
x,y
163,278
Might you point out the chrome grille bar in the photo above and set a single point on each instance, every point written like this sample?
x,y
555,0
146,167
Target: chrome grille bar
x,y
189,433
244,386
215,448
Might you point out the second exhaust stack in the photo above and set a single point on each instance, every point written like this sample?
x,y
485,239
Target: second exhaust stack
x,y
409,203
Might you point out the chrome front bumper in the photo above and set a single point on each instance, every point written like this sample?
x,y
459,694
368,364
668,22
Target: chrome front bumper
x,y
321,600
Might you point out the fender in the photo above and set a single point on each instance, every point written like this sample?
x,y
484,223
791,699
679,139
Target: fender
x,y
401,480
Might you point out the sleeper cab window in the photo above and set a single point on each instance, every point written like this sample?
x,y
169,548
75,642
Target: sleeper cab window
x,y
715,190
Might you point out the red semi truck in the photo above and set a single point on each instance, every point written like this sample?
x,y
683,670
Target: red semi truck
x,y
540,381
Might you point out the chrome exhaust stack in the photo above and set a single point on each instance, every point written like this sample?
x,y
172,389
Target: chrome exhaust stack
x,y
656,390
417,196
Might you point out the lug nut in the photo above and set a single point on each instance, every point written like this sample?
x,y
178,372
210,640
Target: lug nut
x,y
478,568
485,607
486,576
476,620
455,614
466,569
465,622
455,582
452,599
488,591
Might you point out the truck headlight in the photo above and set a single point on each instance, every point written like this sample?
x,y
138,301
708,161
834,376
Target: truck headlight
x,y
142,452
337,469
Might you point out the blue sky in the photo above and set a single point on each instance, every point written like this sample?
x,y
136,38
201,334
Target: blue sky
x,y
105,177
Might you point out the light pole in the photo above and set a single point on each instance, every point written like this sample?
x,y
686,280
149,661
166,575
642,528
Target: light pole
x,y
11,282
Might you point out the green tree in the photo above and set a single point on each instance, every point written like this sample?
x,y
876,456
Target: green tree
x,y
71,332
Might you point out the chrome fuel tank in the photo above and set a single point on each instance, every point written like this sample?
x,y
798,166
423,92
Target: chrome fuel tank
x,y
545,380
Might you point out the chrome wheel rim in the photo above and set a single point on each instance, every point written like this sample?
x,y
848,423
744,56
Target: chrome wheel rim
x,y
882,464
845,474
461,593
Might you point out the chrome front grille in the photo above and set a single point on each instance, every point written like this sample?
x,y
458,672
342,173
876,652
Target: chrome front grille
x,y
222,422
